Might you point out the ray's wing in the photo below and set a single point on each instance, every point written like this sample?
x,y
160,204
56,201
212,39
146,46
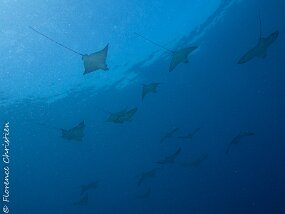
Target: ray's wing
x,y
229,148
176,153
144,91
80,126
75,133
170,158
183,137
161,162
129,114
235,140
174,131
272,38
249,55
196,162
149,88
180,57
83,201
189,50
83,189
79,129
141,179
144,195
174,61
195,131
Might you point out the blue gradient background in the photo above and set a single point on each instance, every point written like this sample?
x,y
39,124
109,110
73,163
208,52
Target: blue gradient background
x,y
42,83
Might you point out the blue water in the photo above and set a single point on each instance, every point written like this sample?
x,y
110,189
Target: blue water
x,y
43,83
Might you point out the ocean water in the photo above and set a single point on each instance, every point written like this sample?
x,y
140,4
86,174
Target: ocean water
x,y
146,162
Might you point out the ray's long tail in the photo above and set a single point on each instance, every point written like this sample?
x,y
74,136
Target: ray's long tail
x,y
154,43
56,42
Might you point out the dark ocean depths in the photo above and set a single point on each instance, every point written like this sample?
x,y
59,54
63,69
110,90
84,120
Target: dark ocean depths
x,y
210,140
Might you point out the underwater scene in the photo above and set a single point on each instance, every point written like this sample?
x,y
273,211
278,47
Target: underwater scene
x,y
142,107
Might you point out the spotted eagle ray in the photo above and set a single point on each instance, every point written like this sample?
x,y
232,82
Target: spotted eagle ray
x,y
83,201
92,62
171,158
149,88
178,57
196,162
147,175
122,116
236,139
90,186
75,133
259,50
169,134
190,135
